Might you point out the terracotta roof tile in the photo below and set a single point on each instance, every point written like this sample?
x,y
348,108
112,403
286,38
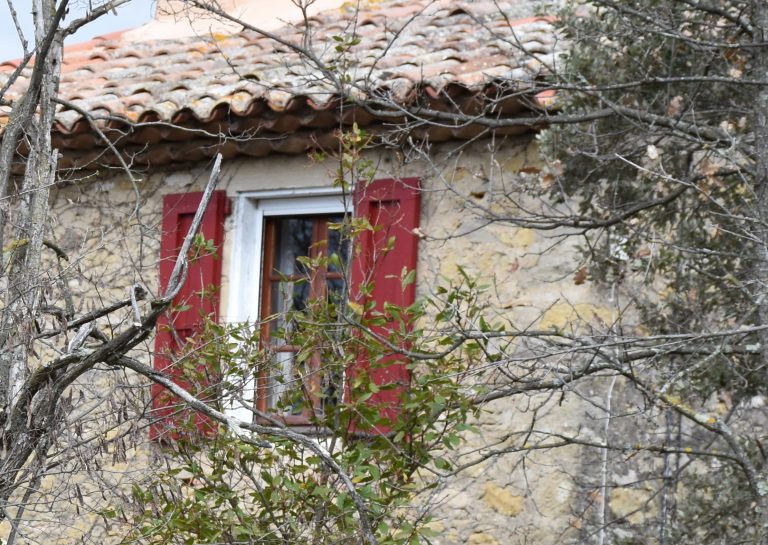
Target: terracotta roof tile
x,y
442,46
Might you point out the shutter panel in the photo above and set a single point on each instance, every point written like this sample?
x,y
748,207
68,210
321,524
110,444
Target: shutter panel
x,y
196,297
392,208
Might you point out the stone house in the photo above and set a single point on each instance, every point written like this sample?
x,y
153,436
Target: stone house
x,y
165,106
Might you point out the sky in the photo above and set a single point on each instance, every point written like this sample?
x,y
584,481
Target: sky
x,y
131,15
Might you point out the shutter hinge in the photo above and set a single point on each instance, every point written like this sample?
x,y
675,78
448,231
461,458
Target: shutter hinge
x,y
227,206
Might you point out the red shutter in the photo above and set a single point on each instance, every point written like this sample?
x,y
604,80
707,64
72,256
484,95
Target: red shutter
x,y
392,208
196,296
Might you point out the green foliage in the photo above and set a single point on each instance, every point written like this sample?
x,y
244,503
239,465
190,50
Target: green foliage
x,y
674,179
224,488
695,251
221,489
202,247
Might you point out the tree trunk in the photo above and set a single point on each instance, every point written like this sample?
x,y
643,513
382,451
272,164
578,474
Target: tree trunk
x,y
760,124
24,281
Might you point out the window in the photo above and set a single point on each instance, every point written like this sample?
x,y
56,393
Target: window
x,y
296,390
274,229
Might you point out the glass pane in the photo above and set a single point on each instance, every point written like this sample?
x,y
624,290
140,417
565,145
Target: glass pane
x,y
285,392
294,237
331,385
287,297
336,245
336,290
279,376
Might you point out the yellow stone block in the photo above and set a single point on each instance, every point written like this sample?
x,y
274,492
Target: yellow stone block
x,y
516,239
436,526
562,314
636,505
523,238
482,539
503,500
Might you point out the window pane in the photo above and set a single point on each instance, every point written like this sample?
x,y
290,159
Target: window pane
x,y
331,388
294,237
336,245
300,389
285,392
288,296
336,290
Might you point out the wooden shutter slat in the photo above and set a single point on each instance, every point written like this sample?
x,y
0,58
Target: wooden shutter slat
x,y
174,327
392,207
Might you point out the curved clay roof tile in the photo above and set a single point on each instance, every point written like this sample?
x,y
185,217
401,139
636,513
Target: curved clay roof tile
x,y
441,52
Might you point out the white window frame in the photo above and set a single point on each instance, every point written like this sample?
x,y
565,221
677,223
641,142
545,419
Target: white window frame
x,y
251,208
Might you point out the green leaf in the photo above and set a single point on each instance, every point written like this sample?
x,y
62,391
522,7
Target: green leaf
x,y
407,278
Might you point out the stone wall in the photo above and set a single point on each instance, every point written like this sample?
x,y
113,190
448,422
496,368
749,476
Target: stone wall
x,y
527,495
111,228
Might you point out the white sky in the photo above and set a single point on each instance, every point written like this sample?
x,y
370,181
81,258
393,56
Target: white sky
x,y
135,13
